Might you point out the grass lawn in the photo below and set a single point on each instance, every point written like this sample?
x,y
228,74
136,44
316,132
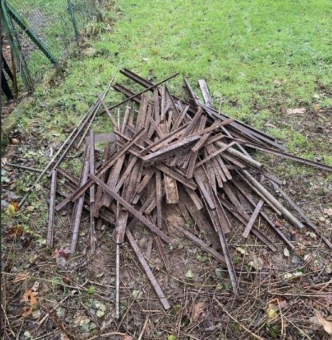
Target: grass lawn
x,y
260,59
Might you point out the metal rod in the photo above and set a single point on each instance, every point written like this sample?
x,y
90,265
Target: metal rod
x,y
138,94
22,167
291,218
117,281
50,231
148,271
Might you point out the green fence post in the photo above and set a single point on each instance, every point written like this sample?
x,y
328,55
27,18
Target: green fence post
x,y
15,46
73,19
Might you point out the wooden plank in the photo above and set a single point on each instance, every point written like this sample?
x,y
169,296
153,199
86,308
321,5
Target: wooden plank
x,y
148,175
191,158
266,218
184,211
113,179
191,164
141,116
244,220
132,181
188,183
253,219
170,147
181,117
216,125
78,193
159,199
194,197
201,180
171,189
224,222
193,123
156,105
132,210
223,242
121,225
99,191
92,231
205,92
148,271
199,218
209,170
215,154
165,140
201,142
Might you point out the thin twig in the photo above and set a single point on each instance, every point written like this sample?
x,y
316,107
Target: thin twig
x,y
5,314
107,334
52,310
238,322
143,328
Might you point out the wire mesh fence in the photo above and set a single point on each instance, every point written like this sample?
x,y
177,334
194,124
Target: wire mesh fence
x,y
49,31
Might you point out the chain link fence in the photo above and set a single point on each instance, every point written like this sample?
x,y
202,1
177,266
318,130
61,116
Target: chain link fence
x,y
48,31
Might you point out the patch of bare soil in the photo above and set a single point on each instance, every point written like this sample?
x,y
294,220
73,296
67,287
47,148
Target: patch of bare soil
x,y
52,294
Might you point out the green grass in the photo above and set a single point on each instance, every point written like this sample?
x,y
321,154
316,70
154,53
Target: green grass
x,y
259,58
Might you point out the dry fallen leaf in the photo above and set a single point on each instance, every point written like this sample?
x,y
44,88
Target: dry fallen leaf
x,y
20,277
257,263
327,325
286,252
296,111
62,252
198,310
15,232
127,337
30,297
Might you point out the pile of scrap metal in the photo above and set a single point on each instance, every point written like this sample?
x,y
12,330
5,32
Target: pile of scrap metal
x,y
166,151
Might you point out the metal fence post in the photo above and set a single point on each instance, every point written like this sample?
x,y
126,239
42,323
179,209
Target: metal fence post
x,y
73,19
15,46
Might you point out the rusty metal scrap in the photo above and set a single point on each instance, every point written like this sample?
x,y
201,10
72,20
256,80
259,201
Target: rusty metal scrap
x,y
166,152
